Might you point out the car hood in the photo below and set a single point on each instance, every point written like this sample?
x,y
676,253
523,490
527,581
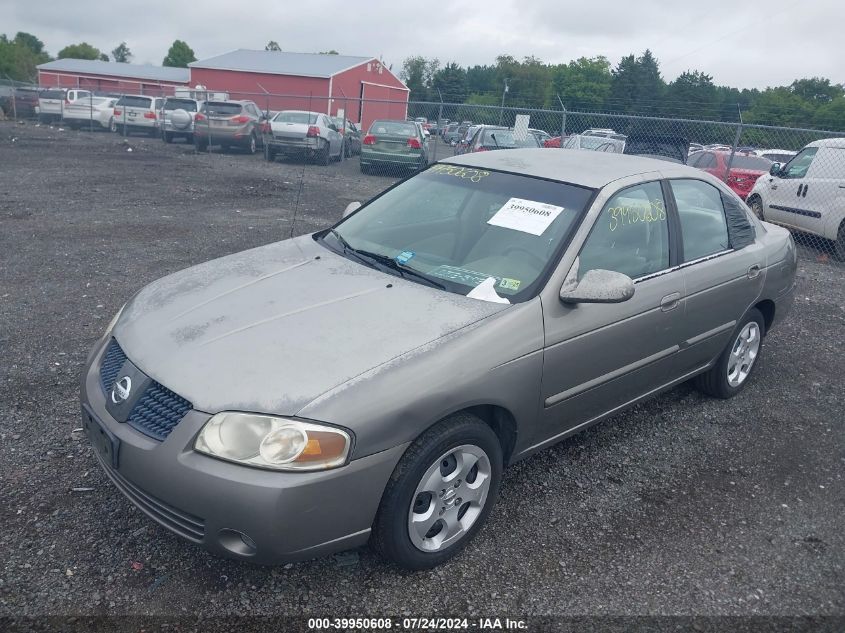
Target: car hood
x,y
272,328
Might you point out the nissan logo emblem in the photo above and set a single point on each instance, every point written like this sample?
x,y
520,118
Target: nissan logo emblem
x,y
121,389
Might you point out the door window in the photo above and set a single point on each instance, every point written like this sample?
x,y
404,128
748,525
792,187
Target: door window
x,y
798,166
704,229
631,235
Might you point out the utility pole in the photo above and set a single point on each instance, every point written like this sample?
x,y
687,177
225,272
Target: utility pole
x,y
504,92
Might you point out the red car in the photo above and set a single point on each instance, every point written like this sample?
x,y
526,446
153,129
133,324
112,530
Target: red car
x,y
555,141
745,168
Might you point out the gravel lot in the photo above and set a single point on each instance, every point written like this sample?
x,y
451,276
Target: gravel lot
x,y
684,505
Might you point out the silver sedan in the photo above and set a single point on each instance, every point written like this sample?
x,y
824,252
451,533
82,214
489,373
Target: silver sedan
x,y
372,380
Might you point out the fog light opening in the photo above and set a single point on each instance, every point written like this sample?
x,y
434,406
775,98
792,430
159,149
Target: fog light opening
x,y
237,542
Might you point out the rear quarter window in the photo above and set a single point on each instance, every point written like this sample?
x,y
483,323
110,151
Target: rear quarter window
x,y
53,94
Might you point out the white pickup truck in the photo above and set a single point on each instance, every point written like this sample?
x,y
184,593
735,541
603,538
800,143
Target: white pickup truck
x,y
52,102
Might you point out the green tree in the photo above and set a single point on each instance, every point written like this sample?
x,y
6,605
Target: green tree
x,y
831,115
331,52
636,86
692,94
817,90
179,55
481,79
272,45
82,50
416,73
29,41
121,53
20,56
780,106
451,81
583,83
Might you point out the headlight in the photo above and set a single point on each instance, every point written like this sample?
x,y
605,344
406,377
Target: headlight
x,y
265,441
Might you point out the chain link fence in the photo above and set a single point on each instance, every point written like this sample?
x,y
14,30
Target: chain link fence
x,y
791,176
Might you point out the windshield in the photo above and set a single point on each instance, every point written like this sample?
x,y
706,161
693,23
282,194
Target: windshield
x,y
459,226
305,118
396,128
213,108
757,163
181,104
592,142
505,139
131,101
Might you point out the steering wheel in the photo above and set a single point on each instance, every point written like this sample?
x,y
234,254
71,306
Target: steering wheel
x,y
534,256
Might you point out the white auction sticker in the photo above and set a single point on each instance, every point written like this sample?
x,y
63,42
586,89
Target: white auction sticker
x,y
527,216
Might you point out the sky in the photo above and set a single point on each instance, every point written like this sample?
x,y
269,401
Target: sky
x,y
746,44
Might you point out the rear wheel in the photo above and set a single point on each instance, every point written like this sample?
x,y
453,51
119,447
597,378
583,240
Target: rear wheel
x,y
440,494
736,363
324,154
251,144
839,244
112,125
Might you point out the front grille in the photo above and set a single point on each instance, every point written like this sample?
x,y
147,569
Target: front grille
x,y
185,525
158,411
113,360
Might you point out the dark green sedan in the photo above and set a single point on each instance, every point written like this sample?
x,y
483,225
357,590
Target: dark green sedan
x,y
394,144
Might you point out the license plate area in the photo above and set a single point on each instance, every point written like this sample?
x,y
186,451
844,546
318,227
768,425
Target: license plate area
x,y
103,440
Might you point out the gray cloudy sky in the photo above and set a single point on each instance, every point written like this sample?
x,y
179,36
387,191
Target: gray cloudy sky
x,y
744,43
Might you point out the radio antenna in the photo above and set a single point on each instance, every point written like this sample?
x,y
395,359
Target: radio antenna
x,y
301,179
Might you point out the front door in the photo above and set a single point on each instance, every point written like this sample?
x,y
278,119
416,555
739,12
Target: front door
x,y
599,357
785,203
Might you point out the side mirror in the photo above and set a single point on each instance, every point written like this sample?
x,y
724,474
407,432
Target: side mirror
x,y
597,286
774,170
351,208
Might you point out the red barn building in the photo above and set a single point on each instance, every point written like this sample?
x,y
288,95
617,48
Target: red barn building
x,y
361,86
112,77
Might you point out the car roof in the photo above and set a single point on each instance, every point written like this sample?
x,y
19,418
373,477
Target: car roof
x,y
590,169
838,143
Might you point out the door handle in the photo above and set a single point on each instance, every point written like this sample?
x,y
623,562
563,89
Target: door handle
x,y
753,271
800,187
670,301
804,195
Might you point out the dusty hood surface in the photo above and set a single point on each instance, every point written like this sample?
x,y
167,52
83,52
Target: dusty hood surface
x,y
272,328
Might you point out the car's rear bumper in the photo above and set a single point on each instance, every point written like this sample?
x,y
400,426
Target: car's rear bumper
x,y
308,145
284,516
222,135
371,157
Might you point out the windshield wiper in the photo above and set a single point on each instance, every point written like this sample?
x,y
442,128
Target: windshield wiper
x,y
493,136
403,271
367,258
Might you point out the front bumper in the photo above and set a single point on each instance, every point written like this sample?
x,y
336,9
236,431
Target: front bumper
x,y
284,516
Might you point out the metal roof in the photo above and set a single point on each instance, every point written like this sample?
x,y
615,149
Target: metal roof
x,y
118,69
282,63
576,166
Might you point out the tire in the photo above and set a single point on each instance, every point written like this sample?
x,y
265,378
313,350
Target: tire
x,y
167,136
756,205
749,334
251,144
839,244
347,148
324,155
341,152
112,125
269,153
452,447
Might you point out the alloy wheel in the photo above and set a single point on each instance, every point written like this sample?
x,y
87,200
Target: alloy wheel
x,y
743,354
449,498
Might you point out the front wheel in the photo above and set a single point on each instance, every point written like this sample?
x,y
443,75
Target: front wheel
x,y
732,370
756,205
440,494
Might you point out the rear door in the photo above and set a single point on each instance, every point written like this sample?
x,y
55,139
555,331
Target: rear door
x,y
721,281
